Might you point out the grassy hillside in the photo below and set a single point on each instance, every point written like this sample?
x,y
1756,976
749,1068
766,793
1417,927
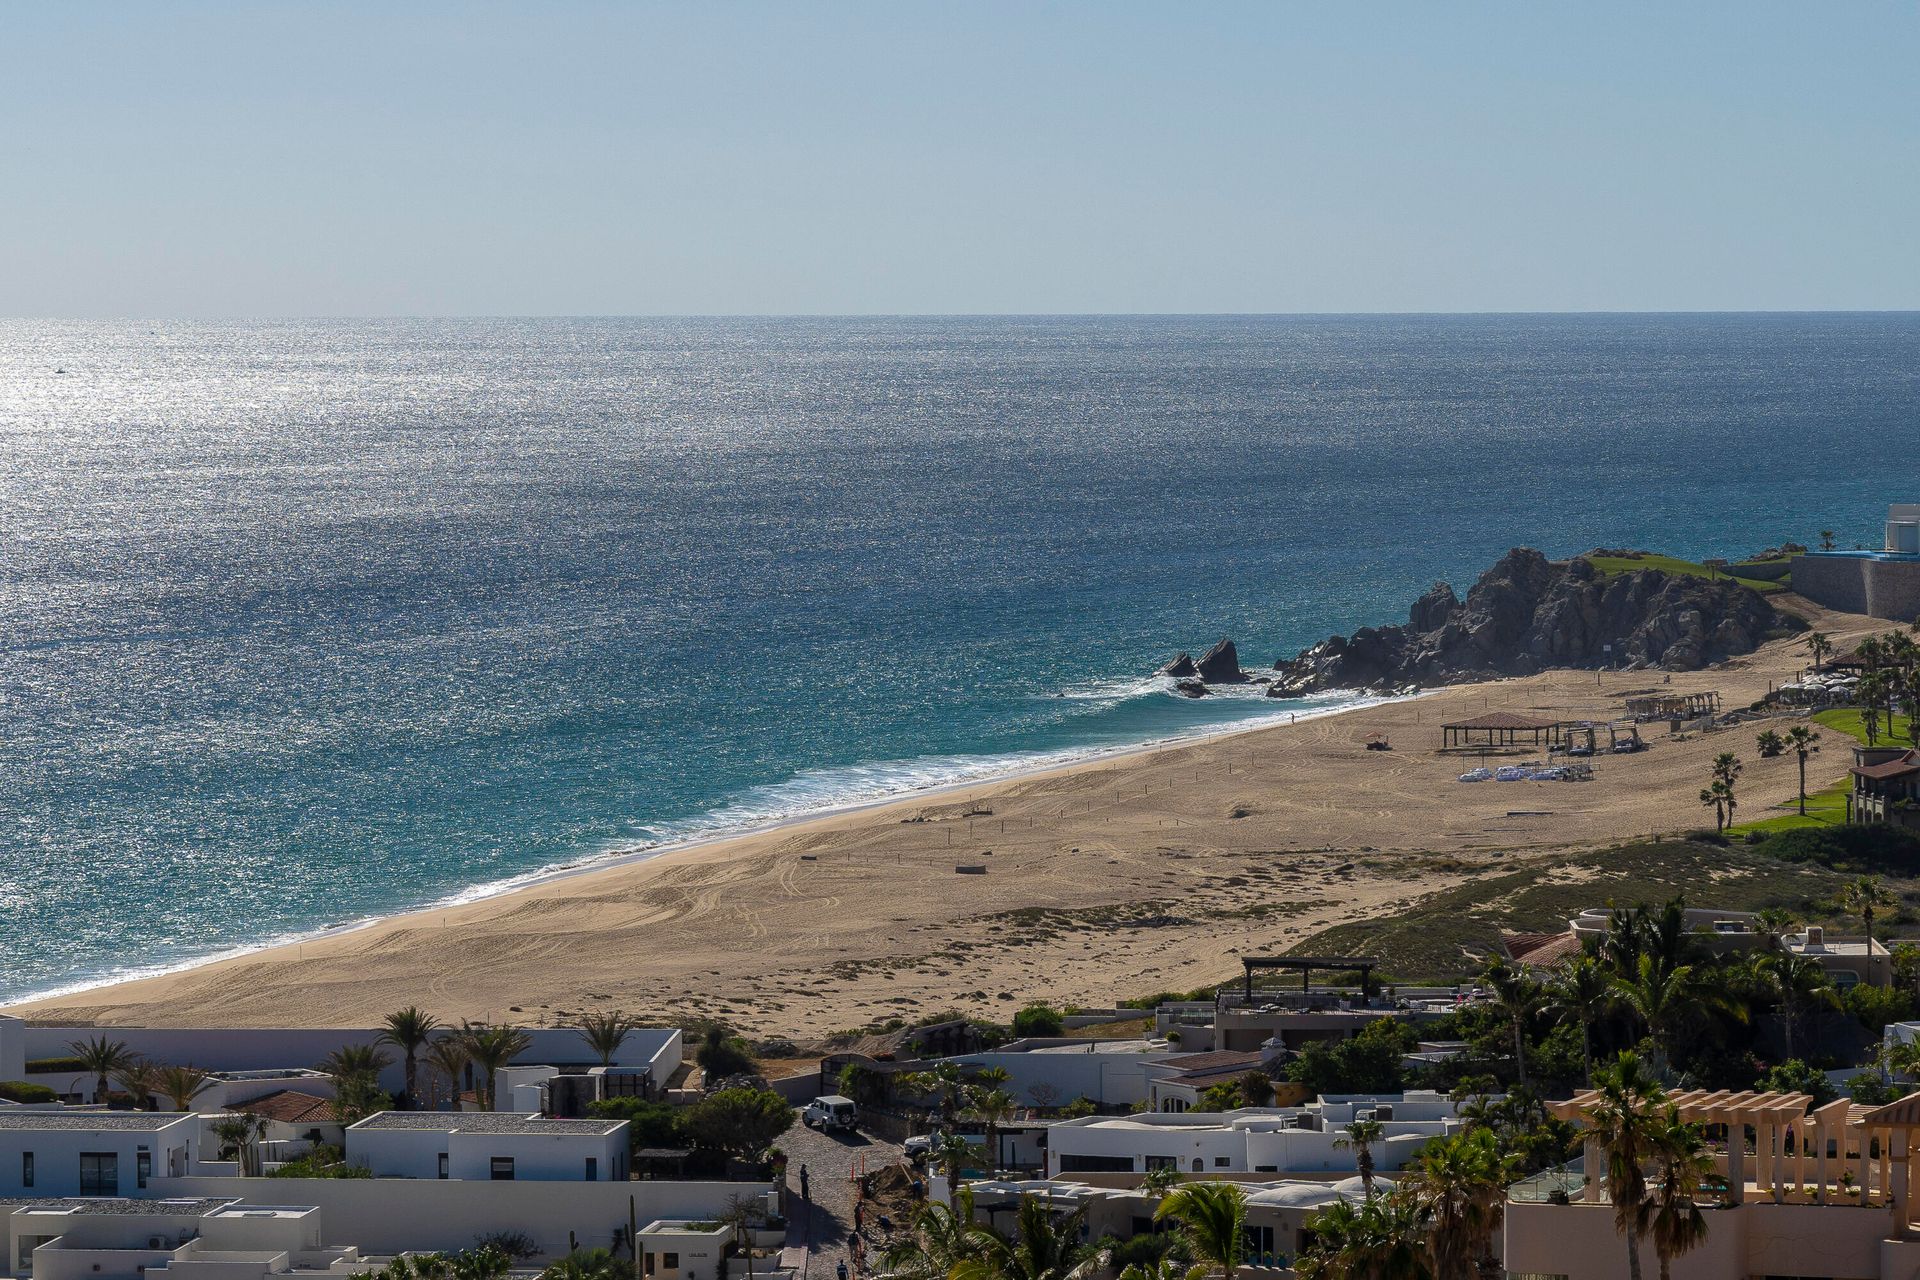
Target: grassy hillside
x,y
1827,807
1610,565
1440,937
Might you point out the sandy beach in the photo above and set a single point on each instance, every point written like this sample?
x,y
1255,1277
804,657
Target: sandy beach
x,y
1103,880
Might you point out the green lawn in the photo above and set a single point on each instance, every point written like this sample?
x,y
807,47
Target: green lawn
x,y
1686,568
1827,807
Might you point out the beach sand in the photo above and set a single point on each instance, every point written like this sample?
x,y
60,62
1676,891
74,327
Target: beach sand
x,y
1104,880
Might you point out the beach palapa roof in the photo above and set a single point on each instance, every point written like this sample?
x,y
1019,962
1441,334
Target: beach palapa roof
x,y
1501,720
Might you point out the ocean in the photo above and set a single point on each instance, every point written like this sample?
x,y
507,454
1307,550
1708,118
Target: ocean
x,y
309,622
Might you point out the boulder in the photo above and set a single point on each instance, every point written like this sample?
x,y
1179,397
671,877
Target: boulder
x,y
1182,665
1221,664
1528,613
1190,687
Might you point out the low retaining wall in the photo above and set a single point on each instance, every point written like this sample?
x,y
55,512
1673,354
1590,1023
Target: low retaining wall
x,y
1856,584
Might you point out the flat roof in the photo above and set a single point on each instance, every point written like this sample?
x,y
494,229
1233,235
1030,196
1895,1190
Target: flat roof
x,y
125,1206
98,1121
493,1122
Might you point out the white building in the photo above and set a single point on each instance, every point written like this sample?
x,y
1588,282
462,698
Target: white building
x,y
92,1153
1253,1140
74,1239
13,1048
476,1146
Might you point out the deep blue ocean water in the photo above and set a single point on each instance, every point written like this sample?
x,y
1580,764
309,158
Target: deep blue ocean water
x,y
310,621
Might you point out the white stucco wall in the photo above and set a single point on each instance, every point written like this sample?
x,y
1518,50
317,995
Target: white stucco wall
x,y
540,1157
56,1156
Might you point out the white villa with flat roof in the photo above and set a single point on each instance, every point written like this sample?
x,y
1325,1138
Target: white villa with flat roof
x,y
115,1239
501,1146
1252,1140
92,1153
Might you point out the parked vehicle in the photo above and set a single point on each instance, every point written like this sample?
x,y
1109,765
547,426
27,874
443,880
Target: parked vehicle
x,y
830,1111
1512,773
1476,775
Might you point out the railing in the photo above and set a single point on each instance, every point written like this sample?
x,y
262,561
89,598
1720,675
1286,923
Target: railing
x,y
1561,1183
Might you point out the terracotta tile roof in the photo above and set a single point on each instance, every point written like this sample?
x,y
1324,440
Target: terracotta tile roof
x,y
1538,950
290,1107
1899,767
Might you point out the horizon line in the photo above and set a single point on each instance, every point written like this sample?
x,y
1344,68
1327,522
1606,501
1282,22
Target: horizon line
x,y
950,315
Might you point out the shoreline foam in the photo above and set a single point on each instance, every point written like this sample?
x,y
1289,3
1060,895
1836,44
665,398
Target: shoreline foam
x,y
1337,702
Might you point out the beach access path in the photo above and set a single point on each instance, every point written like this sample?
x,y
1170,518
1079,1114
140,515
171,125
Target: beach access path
x,y
1117,877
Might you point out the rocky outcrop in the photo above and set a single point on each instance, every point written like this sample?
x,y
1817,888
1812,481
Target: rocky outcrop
x,y
1528,613
1221,664
1191,687
1182,665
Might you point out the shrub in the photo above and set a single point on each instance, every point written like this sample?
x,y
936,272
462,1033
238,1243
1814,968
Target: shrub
x,y
54,1066
1865,849
1704,836
1795,1076
1038,1020
740,1122
650,1124
22,1091
1877,1006
1869,1090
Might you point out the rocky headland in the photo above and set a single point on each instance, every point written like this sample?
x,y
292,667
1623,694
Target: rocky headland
x,y
1528,613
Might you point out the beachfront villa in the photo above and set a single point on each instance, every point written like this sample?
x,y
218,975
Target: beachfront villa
x,y
1886,786
1847,960
1251,1140
92,1153
1824,1193
487,1145
120,1239
1881,584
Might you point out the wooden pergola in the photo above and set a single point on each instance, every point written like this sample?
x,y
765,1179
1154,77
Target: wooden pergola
x,y
1842,1153
1498,729
1673,706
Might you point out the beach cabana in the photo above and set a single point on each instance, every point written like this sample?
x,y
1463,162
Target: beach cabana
x,y
1498,729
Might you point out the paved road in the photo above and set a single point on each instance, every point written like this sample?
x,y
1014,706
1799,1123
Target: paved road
x,y
822,1228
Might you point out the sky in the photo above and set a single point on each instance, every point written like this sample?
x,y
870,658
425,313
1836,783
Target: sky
x,y
178,159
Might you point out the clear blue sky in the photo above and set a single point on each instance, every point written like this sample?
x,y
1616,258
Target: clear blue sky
x,y
419,159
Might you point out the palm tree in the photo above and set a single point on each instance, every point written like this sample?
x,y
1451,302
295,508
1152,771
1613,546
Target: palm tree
x,y
238,1136
606,1032
1160,1179
1662,999
1213,1218
1518,996
942,1237
1582,991
1459,1183
1770,743
1826,539
1869,694
1862,897
1681,1163
140,1080
104,1058
181,1085
945,1084
1044,1246
1719,798
447,1056
1361,1135
490,1049
1626,1123
950,1153
992,1108
1801,986
1383,1238
355,1071
1819,646
408,1030
1803,742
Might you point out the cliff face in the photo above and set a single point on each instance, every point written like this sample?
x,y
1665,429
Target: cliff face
x,y
1527,613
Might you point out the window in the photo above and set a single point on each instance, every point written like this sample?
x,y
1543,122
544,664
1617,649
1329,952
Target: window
x,y
503,1168
443,1164
1162,1162
99,1173
142,1167
1173,1106
669,1262
1221,1162
1199,1165
593,1169
26,1168
1259,1242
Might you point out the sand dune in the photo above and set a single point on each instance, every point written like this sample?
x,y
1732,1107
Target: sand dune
x,y
1104,880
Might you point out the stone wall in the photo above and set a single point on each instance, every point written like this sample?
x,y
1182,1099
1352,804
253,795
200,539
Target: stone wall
x,y
1855,584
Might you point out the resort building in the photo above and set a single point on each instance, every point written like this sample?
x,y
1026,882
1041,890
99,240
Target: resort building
x,y
1881,584
92,1153
115,1239
1808,1193
1847,960
478,1146
1886,786
1252,1140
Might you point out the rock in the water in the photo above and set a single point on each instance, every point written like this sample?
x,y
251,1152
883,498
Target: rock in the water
x,y
1528,613
1190,687
1221,664
1182,665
